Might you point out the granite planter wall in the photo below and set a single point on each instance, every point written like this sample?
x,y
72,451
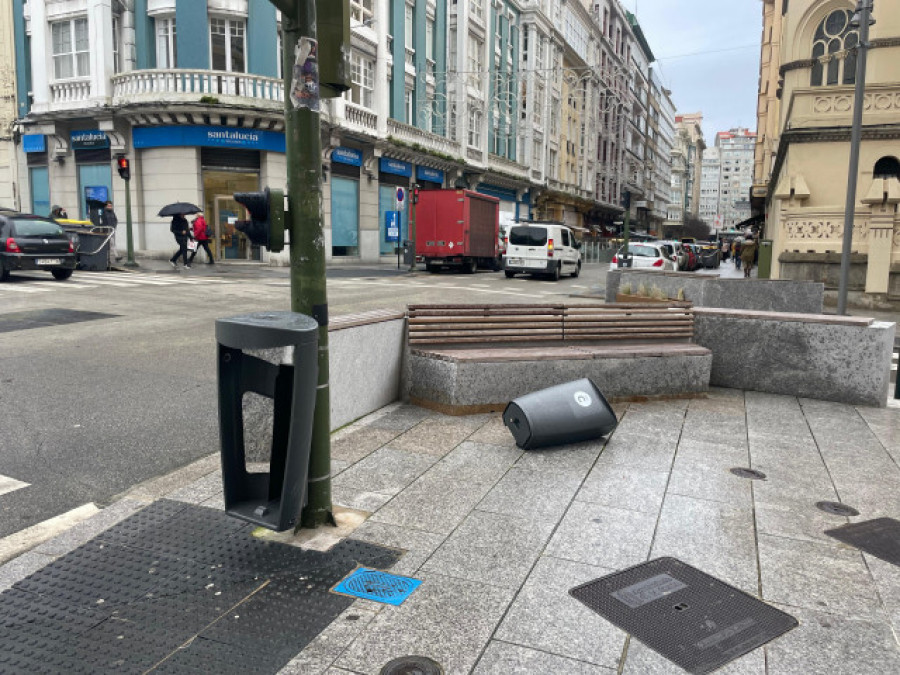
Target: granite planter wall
x,y
844,359
772,295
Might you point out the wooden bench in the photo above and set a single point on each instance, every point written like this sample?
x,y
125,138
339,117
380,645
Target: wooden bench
x,y
466,358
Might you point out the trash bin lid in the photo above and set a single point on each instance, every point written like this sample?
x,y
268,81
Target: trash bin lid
x,y
265,330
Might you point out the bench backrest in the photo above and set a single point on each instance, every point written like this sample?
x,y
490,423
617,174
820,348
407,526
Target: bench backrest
x,y
514,324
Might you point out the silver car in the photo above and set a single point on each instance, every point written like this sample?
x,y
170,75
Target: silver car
x,y
647,255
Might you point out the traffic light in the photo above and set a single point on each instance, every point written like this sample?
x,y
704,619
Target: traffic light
x,y
124,168
415,194
626,199
266,224
333,32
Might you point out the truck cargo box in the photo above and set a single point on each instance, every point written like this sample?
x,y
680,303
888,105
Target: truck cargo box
x,y
457,227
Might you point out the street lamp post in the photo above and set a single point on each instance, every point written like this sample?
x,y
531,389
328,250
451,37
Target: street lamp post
x,y
862,19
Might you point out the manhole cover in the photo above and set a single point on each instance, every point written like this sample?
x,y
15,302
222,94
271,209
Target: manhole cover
x,y
752,474
837,509
412,665
696,621
370,584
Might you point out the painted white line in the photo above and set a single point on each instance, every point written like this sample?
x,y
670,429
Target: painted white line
x,y
23,289
56,285
8,484
18,543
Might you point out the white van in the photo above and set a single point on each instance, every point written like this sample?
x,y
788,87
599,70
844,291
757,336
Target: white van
x,y
542,248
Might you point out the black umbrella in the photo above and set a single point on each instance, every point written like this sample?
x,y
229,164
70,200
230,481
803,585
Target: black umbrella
x,y
179,209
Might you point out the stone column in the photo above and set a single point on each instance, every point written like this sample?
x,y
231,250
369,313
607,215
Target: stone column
x,y
41,57
100,32
882,199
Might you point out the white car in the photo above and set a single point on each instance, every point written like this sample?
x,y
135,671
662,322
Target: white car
x,y
542,249
647,255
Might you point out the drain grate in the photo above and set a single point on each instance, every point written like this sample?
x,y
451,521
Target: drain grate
x,y
390,589
879,537
752,474
837,509
693,619
412,665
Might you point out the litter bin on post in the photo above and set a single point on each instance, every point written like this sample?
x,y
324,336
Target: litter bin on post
x,y
764,270
409,253
274,499
91,245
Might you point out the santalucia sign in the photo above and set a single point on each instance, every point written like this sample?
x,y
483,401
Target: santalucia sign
x,y
207,136
90,139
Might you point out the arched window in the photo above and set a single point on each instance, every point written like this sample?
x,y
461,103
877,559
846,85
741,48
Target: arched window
x,y
887,167
834,50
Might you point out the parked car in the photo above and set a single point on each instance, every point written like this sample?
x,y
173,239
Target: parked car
x,y
29,242
647,254
678,253
542,249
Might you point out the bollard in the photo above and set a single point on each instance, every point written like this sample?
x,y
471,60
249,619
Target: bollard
x,y
274,499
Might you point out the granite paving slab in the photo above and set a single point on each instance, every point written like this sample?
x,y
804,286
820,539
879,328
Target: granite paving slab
x,y
324,650
734,450
446,619
715,537
417,545
708,479
386,470
493,432
638,452
642,660
361,500
359,443
502,658
528,494
796,518
837,645
576,458
23,566
545,617
491,548
437,436
603,536
887,581
624,487
476,462
818,576
401,418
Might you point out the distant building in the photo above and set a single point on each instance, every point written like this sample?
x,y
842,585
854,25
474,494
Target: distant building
x,y
727,176
687,166
806,91
8,196
710,176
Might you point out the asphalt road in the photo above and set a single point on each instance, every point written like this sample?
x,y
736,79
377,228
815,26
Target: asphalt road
x,y
90,408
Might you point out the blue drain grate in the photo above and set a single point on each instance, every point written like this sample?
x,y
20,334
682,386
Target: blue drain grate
x,y
370,584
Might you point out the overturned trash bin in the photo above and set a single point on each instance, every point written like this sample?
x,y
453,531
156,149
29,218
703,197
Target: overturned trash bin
x,y
567,413
272,499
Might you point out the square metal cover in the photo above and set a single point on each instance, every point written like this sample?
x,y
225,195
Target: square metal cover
x,y
879,537
390,589
693,619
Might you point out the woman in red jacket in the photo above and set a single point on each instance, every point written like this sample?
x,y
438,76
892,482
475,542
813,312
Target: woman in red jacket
x,y
201,234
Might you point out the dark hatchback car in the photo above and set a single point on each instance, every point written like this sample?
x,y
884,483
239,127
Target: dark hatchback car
x,y
30,243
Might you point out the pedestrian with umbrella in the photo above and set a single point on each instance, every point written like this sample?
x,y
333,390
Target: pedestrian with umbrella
x,y
180,229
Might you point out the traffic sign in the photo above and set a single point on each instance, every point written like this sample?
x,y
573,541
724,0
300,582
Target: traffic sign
x,y
401,195
391,226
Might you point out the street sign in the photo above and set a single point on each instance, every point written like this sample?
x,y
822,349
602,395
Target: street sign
x,y
392,226
401,195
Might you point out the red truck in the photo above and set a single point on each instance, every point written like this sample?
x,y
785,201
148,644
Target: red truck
x,y
457,228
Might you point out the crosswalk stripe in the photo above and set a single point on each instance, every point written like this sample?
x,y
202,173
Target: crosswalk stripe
x,y
56,285
8,484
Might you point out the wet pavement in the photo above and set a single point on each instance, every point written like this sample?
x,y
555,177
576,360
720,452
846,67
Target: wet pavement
x,y
499,536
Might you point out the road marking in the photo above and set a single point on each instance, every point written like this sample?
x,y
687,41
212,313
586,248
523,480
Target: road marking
x,y
8,484
24,540
57,285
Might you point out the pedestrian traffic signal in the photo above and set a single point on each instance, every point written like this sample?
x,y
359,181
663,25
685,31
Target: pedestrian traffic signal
x,y
333,32
626,199
266,224
124,168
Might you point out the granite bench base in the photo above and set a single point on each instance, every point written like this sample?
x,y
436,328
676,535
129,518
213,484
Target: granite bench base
x,y
465,381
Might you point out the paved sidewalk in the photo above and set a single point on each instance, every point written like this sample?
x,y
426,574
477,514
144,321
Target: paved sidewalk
x,y
499,536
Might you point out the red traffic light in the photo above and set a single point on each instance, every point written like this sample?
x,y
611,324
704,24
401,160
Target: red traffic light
x,y
124,168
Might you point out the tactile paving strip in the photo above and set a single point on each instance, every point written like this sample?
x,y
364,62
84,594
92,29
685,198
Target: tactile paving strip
x,y
693,619
176,588
879,537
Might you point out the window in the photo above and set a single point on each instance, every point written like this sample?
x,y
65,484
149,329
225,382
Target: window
x,y
166,52
71,49
476,9
834,50
227,42
408,103
887,167
475,118
363,78
117,39
361,10
473,64
409,27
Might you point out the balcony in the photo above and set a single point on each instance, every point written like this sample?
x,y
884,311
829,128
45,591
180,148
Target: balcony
x,y
171,86
821,230
507,166
358,118
67,94
833,106
424,139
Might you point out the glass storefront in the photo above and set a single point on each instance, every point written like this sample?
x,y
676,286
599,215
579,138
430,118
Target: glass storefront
x,y
221,212
344,216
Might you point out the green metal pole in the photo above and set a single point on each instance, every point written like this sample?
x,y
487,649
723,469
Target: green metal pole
x,y
307,241
129,238
625,228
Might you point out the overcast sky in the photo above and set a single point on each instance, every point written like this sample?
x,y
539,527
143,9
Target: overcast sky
x,y
707,52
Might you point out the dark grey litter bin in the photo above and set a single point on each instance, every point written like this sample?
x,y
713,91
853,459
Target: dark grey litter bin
x,y
274,499
91,247
567,413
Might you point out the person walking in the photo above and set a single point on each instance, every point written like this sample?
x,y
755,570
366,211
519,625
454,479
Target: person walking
x,y
748,254
201,236
108,219
736,253
181,229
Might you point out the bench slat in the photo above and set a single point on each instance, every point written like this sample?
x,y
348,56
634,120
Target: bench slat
x,y
422,320
482,340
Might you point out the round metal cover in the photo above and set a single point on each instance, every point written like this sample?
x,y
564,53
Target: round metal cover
x,y
837,509
412,665
752,474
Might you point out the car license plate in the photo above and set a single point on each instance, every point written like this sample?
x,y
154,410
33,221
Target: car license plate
x,y
48,261
514,261
537,264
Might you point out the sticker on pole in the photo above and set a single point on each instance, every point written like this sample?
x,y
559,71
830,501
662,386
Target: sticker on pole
x,y
305,87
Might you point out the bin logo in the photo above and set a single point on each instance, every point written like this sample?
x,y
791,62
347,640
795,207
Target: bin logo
x,y
583,399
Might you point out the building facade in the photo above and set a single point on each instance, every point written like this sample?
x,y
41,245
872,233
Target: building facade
x,y
8,182
531,101
807,83
687,169
726,180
